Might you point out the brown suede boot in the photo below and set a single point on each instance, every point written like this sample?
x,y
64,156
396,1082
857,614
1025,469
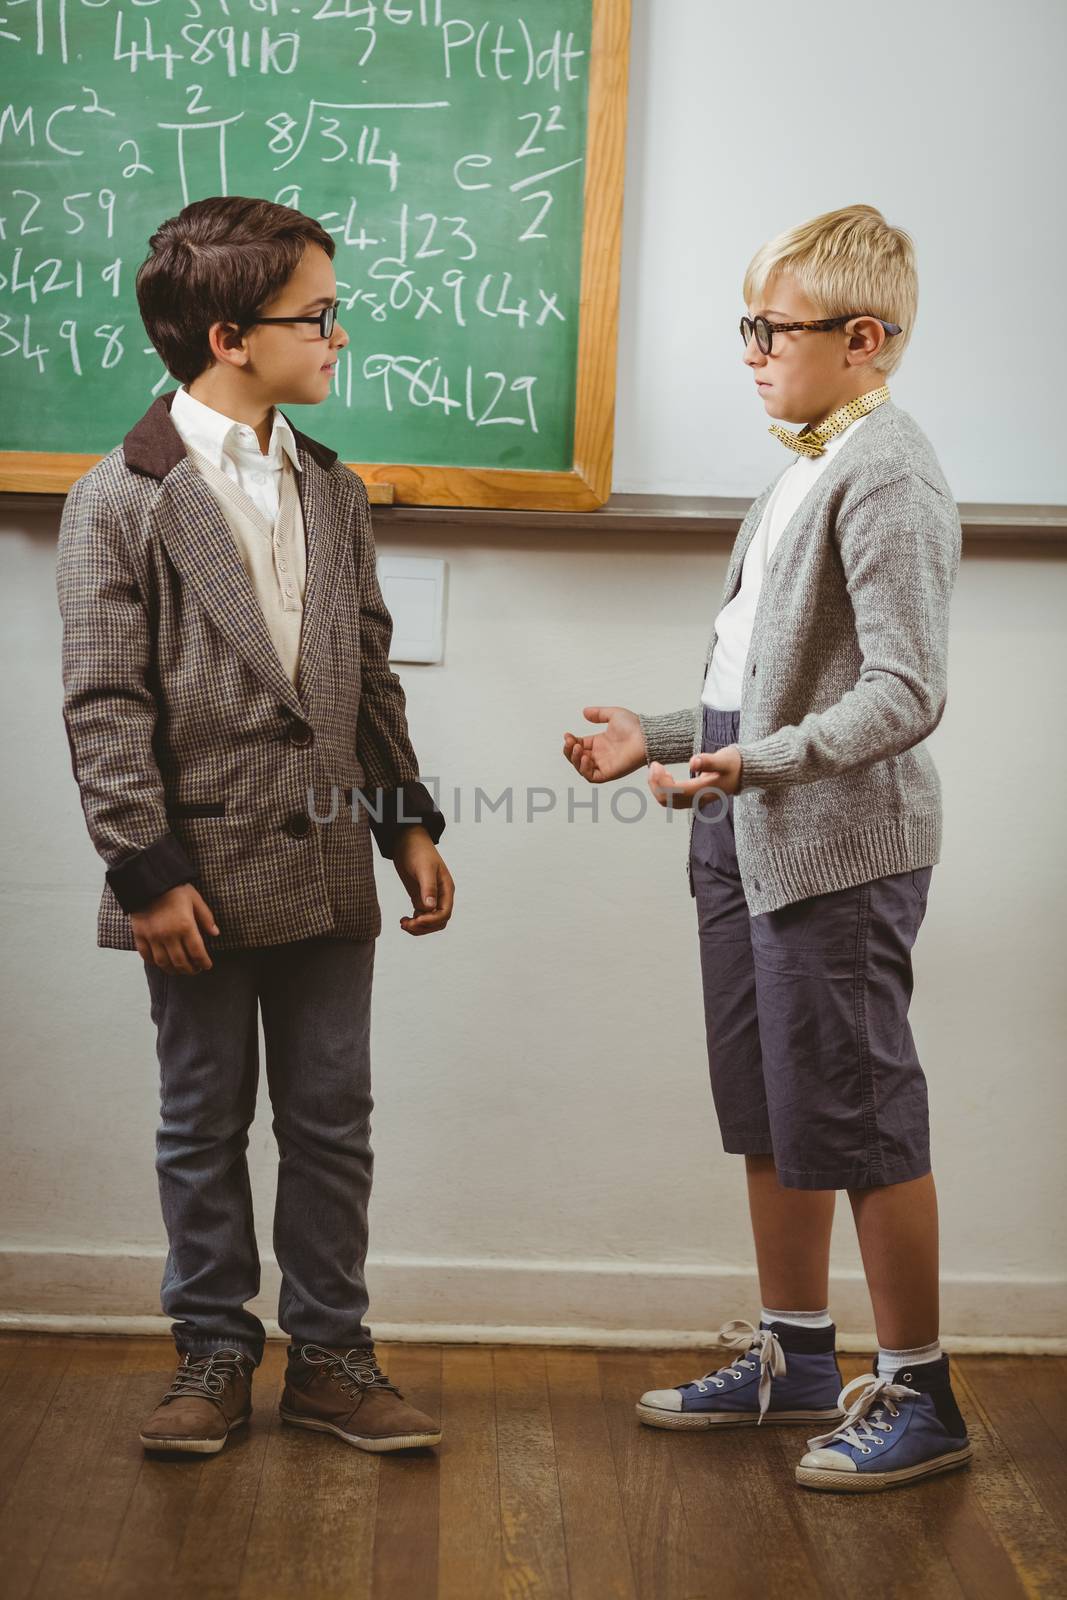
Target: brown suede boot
x,y
345,1392
210,1395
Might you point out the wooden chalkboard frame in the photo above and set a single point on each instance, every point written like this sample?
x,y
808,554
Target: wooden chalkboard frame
x,y
588,483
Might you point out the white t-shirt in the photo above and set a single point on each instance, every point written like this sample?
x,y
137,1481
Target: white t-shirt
x,y
733,625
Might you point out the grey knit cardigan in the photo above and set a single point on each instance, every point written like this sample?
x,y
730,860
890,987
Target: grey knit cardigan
x,y
846,674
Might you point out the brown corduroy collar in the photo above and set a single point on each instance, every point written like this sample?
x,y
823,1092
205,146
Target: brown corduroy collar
x,y
154,445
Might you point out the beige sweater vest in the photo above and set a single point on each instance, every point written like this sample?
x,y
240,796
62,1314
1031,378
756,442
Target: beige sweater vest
x,y
275,558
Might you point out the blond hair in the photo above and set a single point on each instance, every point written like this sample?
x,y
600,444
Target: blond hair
x,y
847,261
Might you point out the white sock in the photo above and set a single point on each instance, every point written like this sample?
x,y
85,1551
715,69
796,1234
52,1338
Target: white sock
x,y
890,1361
798,1319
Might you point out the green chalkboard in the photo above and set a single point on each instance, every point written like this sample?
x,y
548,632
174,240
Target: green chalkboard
x,y
443,143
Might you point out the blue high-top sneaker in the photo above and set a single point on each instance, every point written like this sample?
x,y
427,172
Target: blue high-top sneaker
x,y
896,1430
785,1374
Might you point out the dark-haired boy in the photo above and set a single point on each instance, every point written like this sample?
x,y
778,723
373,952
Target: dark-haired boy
x,y
226,679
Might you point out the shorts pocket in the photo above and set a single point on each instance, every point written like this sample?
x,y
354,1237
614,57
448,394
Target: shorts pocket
x,y
813,938
920,881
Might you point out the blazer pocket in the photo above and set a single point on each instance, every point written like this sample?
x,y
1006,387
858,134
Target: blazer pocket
x,y
197,808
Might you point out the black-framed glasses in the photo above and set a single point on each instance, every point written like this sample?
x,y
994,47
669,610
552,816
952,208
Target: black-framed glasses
x,y
765,330
326,319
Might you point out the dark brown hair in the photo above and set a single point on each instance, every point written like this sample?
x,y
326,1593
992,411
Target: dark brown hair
x,y
218,260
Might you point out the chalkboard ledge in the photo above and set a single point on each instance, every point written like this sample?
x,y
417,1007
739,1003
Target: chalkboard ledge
x,y
1019,525
711,514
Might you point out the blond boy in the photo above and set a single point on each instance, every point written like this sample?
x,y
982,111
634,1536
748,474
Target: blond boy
x,y
815,824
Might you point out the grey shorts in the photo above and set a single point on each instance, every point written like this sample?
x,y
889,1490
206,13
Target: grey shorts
x,y
811,1055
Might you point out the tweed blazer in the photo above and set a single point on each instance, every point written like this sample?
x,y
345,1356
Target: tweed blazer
x,y
196,757
845,677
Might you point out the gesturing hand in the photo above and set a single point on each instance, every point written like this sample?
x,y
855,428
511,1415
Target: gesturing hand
x,y
715,769
612,754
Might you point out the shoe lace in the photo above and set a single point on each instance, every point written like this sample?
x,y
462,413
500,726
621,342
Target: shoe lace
x,y
763,1350
207,1376
867,1419
355,1369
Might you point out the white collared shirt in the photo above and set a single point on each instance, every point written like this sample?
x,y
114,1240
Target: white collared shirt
x,y
733,625
234,448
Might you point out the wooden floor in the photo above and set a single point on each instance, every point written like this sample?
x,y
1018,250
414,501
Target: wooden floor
x,y
546,1487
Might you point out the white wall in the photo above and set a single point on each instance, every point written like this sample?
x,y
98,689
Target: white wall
x,y
746,120
547,1154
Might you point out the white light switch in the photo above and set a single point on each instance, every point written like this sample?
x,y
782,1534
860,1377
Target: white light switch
x,y
414,592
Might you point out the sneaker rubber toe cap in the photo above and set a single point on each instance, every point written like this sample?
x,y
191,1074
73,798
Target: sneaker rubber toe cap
x,y
831,1460
663,1399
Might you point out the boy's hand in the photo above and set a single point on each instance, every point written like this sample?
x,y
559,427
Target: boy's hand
x,y
168,930
426,879
716,769
612,754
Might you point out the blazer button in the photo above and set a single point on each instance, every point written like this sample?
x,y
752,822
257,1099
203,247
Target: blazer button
x,y
300,733
298,825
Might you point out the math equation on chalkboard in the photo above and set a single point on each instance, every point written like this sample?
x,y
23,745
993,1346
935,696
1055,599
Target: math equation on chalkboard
x,y
441,143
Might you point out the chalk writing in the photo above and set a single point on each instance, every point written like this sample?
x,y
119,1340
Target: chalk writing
x,y
441,146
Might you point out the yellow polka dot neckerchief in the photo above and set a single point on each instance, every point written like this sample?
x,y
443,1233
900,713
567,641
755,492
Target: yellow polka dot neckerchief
x,y
810,441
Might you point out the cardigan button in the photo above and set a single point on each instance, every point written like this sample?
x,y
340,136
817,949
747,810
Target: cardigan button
x,y
298,826
756,884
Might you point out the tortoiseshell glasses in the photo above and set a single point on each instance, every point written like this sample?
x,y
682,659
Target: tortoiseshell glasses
x,y
765,330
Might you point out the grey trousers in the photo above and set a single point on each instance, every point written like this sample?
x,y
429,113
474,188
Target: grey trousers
x,y
315,998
